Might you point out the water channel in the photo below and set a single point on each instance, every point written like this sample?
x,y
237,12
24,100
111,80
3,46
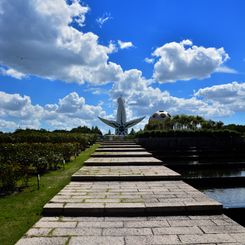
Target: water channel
x,y
223,180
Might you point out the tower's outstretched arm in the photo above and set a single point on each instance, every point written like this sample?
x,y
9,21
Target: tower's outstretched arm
x,y
111,123
133,122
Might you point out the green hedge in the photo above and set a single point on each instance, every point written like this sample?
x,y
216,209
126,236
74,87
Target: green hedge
x,y
187,133
49,137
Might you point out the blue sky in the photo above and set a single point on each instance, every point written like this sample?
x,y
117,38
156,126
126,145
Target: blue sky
x,y
63,63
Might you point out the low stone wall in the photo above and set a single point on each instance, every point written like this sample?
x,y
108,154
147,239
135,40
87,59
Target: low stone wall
x,y
187,142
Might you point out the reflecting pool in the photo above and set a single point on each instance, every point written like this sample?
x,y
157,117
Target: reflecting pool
x,y
229,197
209,173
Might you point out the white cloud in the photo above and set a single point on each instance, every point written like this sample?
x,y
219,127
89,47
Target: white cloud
x,y
71,111
177,62
231,95
71,103
12,73
32,123
7,126
100,21
41,31
124,45
225,69
16,107
150,61
13,102
143,99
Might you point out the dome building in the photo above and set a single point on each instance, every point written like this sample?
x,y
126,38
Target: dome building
x,y
159,115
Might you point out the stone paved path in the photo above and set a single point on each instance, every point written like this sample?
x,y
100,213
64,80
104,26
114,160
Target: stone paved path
x,y
113,200
128,161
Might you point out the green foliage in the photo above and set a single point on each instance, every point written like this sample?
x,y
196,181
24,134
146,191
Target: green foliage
x,y
20,212
132,132
154,125
40,163
187,133
9,175
194,123
36,151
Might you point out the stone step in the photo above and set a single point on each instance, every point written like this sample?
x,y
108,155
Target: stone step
x,y
130,197
118,143
122,154
121,149
118,161
124,173
117,146
195,230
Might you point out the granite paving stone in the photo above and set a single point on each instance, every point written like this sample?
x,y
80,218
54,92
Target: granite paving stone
x,y
108,196
128,161
43,241
77,232
195,230
39,232
126,231
206,238
98,240
127,149
117,146
121,172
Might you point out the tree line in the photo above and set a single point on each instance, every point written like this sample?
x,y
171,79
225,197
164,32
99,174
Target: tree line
x,y
181,122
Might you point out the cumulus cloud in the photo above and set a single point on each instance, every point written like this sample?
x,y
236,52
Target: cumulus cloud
x,y
231,95
72,106
71,103
143,99
12,73
7,126
71,111
13,102
124,45
185,61
41,31
16,107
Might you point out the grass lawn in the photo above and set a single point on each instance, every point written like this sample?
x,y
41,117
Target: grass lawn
x,y
18,213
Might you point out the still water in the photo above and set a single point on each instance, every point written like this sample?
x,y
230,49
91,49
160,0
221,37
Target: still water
x,y
229,197
208,173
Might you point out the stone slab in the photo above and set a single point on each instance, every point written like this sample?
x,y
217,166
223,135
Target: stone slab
x,y
122,154
104,161
168,197
101,173
119,142
121,149
117,146
146,230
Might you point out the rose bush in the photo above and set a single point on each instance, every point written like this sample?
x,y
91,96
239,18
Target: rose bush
x,y
10,173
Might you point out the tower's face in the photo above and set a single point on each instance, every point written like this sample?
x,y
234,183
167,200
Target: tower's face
x,y
120,100
159,115
121,130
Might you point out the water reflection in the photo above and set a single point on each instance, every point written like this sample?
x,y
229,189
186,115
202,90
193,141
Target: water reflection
x,y
229,197
209,173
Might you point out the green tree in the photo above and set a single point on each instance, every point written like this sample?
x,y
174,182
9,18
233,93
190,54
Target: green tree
x,y
219,125
176,121
154,125
132,132
168,123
